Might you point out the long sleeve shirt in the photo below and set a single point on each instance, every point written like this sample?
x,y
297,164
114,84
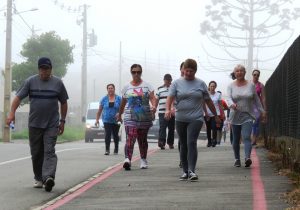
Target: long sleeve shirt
x,y
245,97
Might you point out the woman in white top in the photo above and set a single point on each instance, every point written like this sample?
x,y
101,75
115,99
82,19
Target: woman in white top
x,y
242,98
211,126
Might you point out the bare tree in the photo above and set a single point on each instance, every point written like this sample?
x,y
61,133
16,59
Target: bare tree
x,y
241,27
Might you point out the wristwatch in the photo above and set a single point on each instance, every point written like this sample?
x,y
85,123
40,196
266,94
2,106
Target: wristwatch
x,y
62,120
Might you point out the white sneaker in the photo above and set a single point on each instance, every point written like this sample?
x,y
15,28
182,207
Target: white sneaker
x,y
144,164
127,164
38,184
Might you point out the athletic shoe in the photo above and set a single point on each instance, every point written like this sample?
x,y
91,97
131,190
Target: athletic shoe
x,y
127,164
183,177
171,146
115,151
162,147
106,153
144,164
49,183
38,184
248,162
237,163
193,177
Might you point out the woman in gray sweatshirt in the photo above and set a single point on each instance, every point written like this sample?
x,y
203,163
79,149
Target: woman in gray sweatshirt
x,y
241,99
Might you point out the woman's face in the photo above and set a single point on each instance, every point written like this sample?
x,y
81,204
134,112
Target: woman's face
x,y
189,74
255,75
136,73
110,90
239,73
212,87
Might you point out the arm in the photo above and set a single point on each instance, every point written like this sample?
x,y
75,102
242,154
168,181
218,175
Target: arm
x,y
230,101
263,97
260,108
63,114
98,115
121,109
212,108
169,102
205,112
15,104
153,101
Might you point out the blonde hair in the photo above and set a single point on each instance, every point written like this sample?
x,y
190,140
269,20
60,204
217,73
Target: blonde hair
x,y
241,67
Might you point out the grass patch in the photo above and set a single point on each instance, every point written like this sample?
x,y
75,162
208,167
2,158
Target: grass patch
x,y
70,134
292,197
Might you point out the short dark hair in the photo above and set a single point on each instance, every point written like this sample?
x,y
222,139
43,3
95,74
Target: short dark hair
x,y
190,63
256,70
110,85
232,76
136,66
181,65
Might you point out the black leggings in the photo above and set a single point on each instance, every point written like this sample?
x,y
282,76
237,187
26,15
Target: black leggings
x,y
111,128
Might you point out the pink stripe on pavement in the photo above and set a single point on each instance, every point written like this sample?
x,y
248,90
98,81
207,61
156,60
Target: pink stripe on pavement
x,y
258,190
90,184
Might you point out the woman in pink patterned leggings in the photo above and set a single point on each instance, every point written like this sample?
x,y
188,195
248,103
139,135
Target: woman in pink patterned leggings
x,y
138,115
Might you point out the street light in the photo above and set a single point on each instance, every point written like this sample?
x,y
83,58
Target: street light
x,y
7,71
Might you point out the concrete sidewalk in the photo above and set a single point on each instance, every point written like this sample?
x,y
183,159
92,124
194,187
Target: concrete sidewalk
x,y
220,185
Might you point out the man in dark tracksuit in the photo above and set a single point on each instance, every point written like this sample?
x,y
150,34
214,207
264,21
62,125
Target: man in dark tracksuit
x,y
45,123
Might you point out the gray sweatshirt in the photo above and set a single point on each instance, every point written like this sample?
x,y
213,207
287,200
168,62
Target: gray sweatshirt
x,y
245,98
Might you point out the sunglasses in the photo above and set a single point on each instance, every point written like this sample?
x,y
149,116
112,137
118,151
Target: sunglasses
x,y
136,72
256,75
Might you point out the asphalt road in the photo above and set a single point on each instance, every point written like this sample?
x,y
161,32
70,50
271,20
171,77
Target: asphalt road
x,y
77,162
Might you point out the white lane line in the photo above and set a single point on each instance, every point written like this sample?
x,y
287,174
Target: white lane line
x,y
28,157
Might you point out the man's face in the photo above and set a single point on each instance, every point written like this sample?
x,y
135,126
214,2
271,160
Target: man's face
x,y
167,82
45,72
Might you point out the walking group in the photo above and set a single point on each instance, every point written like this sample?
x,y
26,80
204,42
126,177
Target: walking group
x,y
185,104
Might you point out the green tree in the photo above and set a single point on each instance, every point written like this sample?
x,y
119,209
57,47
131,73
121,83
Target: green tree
x,y
46,45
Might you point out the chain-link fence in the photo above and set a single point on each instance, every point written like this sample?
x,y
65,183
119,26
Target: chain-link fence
x,y
283,96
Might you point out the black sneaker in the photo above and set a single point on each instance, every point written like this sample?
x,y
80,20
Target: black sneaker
x,y
193,177
161,145
49,183
184,177
208,144
248,162
106,153
237,163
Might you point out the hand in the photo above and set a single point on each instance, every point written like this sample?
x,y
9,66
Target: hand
x,y
264,117
172,112
153,109
61,128
217,119
10,118
97,123
234,106
119,117
168,115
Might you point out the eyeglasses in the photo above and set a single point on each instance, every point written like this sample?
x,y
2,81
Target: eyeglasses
x,y
136,72
255,75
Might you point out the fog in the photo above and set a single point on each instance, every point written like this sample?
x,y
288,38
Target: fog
x,y
158,34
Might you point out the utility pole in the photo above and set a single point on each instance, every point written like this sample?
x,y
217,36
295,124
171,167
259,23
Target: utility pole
x,y
7,75
84,64
251,43
120,68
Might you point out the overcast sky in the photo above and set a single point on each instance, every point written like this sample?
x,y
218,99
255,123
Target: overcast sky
x,y
158,34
